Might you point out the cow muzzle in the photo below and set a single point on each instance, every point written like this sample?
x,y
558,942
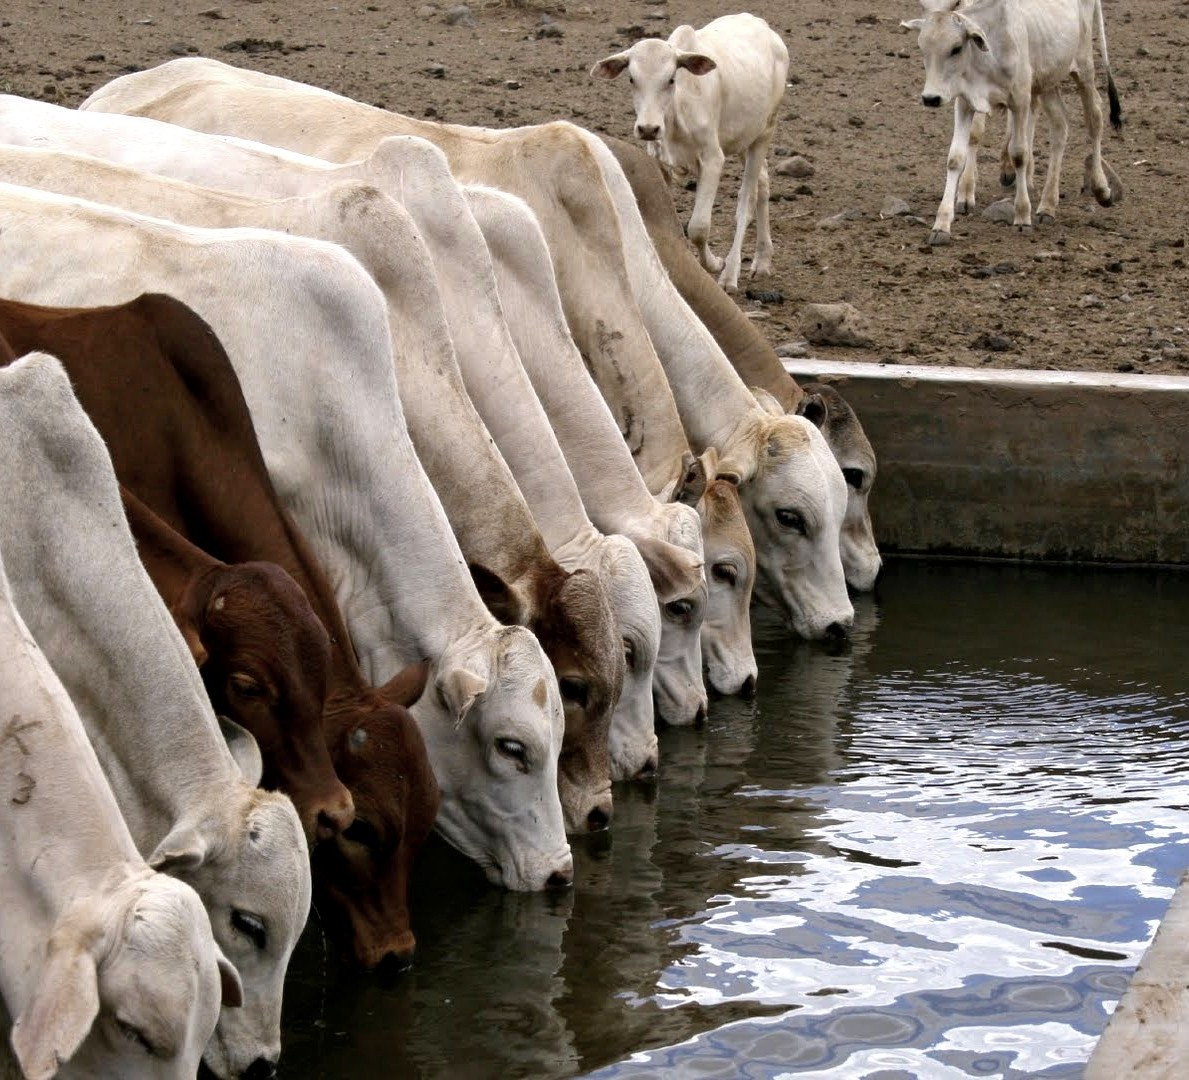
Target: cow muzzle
x,y
931,101
648,132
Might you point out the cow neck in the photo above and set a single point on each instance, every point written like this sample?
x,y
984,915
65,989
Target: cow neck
x,y
612,490
711,399
748,352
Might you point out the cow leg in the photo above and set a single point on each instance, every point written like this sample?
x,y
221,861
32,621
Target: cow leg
x,y
1054,108
744,209
762,263
969,178
710,164
1019,120
959,149
1092,111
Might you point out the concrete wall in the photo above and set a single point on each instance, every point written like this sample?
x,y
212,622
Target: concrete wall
x,y
1023,464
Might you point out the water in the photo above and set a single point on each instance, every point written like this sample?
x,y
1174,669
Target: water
x,y
937,852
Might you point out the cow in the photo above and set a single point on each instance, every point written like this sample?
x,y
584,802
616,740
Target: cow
x,y
92,940
703,95
984,54
793,494
757,364
337,456
611,486
186,790
569,612
203,449
263,654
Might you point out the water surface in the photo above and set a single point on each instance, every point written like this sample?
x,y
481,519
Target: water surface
x,y
938,851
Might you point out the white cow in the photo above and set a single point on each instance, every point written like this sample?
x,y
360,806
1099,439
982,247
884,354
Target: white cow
x,y
192,808
337,450
793,496
109,968
982,54
700,96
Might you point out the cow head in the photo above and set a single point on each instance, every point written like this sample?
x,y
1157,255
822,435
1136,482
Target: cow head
x,y
131,986
956,52
828,410
361,877
652,66
794,498
572,618
264,658
731,559
248,860
493,723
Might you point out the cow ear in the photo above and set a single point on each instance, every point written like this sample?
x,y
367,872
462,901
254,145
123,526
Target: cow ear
x,y
244,748
813,408
675,572
229,982
459,689
738,462
912,24
407,685
980,42
696,63
183,849
692,484
610,66
59,1016
502,599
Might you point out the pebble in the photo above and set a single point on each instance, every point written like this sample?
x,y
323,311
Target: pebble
x,y
547,28
1089,300
460,15
894,207
994,342
1001,210
796,350
835,324
835,221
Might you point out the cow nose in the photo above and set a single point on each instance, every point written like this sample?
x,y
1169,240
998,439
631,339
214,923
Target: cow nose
x,y
837,631
597,820
931,101
748,689
333,820
700,715
560,879
648,771
392,965
648,132
260,1069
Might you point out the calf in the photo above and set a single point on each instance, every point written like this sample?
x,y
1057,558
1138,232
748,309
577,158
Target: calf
x,y
700,96
987,53
186,791
103,963
262,652
158,385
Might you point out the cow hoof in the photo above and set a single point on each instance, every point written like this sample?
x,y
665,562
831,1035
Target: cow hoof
x,y
712,263
1024,230
1045,218
937,238
965,207
1109,195
1007,179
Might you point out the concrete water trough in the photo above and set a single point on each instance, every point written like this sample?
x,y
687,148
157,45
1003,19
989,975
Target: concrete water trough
x,y
1045,465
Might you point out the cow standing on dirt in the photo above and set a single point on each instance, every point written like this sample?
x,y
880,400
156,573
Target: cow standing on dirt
x,y
988,53
691,124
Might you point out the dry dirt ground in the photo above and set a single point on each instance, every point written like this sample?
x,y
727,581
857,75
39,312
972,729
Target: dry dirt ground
x,y
1100,289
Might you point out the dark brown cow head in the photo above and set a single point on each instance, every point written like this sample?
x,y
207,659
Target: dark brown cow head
x,y
361,876
571,616
264,657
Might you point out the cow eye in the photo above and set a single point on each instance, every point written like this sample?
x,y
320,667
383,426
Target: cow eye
x,y
574,689
793,520
955,50
363,832
854,477
629,654
245,686
672,79
514,749
679,609
724,572
134,1035
251,926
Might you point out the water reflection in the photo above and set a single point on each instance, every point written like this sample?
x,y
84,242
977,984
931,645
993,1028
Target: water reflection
x,y
937,850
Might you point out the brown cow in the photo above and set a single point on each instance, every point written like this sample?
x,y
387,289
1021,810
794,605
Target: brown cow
x,y
755,360
157,384
263,656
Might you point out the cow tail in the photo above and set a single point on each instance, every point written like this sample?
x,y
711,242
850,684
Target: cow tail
x,y
1112,91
